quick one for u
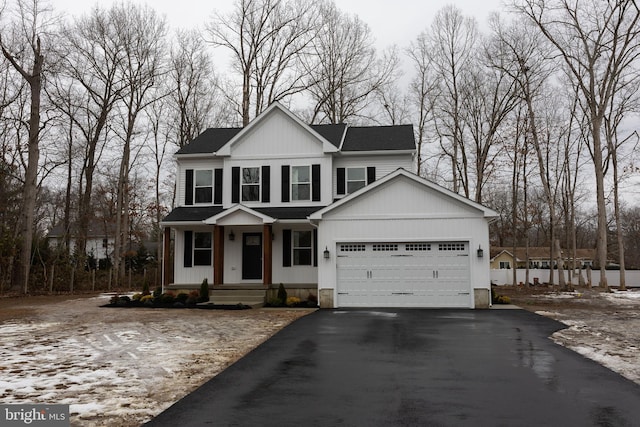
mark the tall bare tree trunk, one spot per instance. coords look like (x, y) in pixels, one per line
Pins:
(34, 80)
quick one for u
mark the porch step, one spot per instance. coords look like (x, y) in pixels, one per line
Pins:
(252, 297)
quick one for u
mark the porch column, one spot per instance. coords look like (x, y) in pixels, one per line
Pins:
(218, 255)
(267, 255)
(166, 256)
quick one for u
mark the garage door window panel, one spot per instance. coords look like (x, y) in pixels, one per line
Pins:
(302, 247)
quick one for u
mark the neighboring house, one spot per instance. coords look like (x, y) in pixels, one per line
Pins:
(504, 258)
(329, 209)
(100, 239)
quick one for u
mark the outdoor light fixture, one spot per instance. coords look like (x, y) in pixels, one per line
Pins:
(326, 253)
(480, 252)
(232, 236)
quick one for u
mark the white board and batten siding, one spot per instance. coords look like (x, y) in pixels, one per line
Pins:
(411, 216)
(279, 137)
(195, 164)
(384, 164)
(193, 274)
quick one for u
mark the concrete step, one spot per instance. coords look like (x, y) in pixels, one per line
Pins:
(252, 297)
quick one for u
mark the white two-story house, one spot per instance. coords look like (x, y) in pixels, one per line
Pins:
(333, 210)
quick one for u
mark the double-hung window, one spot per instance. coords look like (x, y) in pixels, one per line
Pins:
(251, 184)
(300, 183)
(302, 247)
(202, 249)
(505, 265)
(203, 188)
(356, 179)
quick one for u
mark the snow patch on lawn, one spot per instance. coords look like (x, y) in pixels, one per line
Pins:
(121, 367)
(608, 336)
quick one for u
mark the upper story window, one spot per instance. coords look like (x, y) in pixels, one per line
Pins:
(505, 265)
(356, 179)
(352, 179)
(300, 183)
(251, 184)
(203, 188)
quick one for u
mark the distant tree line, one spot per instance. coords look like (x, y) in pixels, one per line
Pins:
(535, 116)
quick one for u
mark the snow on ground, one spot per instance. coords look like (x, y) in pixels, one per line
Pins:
(604, 327)
(120, 367)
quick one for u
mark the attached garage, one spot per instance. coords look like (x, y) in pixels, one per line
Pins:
(403, 274)
(404, 242)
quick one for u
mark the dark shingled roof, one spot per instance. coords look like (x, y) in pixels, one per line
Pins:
(296, 212)
(332, 133)
(379, 138)
(209, 141)
(200, 213)
(192, 213)
(371, 138)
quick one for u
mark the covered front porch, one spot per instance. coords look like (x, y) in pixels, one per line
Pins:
(241, 248)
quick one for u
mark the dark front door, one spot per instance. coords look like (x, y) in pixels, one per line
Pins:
(251, 256)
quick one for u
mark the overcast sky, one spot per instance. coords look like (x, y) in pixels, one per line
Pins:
(391, 21)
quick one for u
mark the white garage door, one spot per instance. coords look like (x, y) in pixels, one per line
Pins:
(422, 274)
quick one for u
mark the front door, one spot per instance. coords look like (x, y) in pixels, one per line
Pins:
(251, 256)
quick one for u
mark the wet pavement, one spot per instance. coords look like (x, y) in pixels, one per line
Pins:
(412, 368)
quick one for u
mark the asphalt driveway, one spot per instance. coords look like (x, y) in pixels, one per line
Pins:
(412, 368)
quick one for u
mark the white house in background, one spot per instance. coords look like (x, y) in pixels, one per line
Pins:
(328, 209)
(100, 238)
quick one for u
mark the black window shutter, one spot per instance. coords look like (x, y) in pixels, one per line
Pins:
(188, 248)
(371, 174)
(341, 181)
(286, 248)
(266, 184)
(188, 187)
(315, 247)
(315, 183)
(285, 186)
(235, 184)
(217, 187)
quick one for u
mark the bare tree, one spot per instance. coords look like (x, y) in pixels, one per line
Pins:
(597, 42)
(344, 70)
(423, 92)
(25, 54)
(194, 102)
(625, 100)
(488, 98)
(91, 57)
(452, 39)
(266, 39)
(141, 33)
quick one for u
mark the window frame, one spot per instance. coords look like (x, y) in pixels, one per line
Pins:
(347, 181)
(296, 248)
(197, 187)
(199, 251)
(257, 185)
(295, 197)
(505, 265)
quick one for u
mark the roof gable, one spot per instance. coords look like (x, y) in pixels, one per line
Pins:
(239, 215)
(402, 194)
(274, 132)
